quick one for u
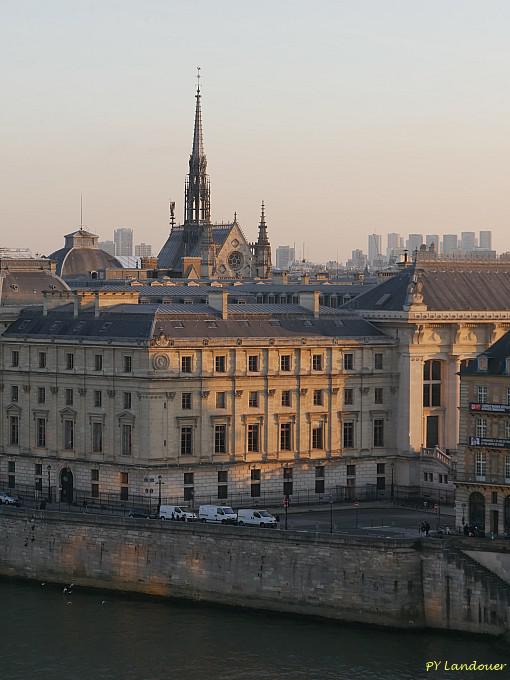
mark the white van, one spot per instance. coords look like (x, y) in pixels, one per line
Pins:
(217, 513)
(260, 518)
(176, 512)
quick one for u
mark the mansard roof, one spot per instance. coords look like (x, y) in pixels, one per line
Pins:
(496, 356)
(142, 323)
(445, 286)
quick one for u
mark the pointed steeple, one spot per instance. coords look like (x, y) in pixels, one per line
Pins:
(197, 191)
(263, 239)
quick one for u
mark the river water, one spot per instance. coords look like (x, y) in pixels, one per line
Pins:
(89, 635)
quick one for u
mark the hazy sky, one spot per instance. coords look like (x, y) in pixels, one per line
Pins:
(345, 117)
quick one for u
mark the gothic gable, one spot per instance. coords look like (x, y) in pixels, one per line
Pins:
(234, 256)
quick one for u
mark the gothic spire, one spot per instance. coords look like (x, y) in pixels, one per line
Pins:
(197, 191)
(263, 239)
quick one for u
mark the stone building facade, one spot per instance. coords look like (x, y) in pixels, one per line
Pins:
(483, 468)
(221, 403)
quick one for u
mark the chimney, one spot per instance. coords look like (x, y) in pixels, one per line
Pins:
(218, 300)
(311, 300)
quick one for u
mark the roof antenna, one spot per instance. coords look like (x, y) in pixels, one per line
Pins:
(81, 212)
(172, 213)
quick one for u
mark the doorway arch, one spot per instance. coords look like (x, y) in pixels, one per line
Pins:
(66, 486)
(477, 510)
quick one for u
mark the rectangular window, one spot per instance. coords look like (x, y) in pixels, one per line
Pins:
(186, 364)
(98, 362)
(351, 471)
(507, 467)
(128, 364)
(97, 437)
(38, 469)
(126, 399)
(378, 395)
(222, 483)
(124, 493)
(220, 364)
(288, 486)
(319, 479)
(285, 437)
(349, 435)
(11, 482)
(317, 362)
(253, 437)
(42, 359)
(253, 363)
(186, 401)
(186, 441)
(253, 399)
(508, 396)
(220, 400)
(286, 398)
(124, 478)
(481, 427)
(41, 395)
(255, 483)
(285, 362)
(189, 490)
(380, 483)
(348, 396)
(94, 475)
(317, 397)
(68, 434)
(378, 361)
(189, 478)
(11, 466)
(222, 491)
(348, 362)
(381, 468)
(220, 439)
(94, 490)
(127, 440)
(15, 358)
(98, 398)
(482, 394)
(318, 436)
(378, 432)
(40, 426)
(69, 361)
(69, 396)
(480, 463)
(13, 430)
(14, 393)
(222, 476)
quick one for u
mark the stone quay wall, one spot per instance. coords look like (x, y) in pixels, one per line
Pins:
(399, 583)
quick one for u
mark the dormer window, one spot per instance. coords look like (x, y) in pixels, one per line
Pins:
(483, 363)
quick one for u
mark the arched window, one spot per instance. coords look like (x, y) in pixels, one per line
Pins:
(432, 383)
(477, 510)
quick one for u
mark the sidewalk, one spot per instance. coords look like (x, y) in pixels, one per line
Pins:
(368, 505)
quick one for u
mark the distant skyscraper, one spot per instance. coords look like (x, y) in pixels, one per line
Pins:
(450, 244)
(107, 246)
(285, 256)
(393, 244)
(414, 242)
(123, 237)
(486, 240)
(374, 247)
(468, 241)
(432, 239)
(358, 259)
(143, 250)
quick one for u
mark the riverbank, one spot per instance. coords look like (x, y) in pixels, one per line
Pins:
(388, 582)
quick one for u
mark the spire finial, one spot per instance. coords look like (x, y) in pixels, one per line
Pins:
(262, 214)
(198, 80)
(235, 216)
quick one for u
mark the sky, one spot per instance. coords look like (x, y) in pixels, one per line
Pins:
(346, 117)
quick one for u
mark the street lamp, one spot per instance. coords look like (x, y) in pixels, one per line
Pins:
(49, 484)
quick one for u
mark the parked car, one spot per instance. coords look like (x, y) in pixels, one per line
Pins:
(139, 513)
(7, 499)
(217, 513)
(176, 512)
(254, 517)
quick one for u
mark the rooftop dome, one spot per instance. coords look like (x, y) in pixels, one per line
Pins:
(81, 256)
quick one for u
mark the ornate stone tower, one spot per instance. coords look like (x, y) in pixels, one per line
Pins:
(262, 250)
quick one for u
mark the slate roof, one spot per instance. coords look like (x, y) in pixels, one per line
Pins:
(455, 289)
(18, 287)
(496, 355)
(170, 254)
(75, 261)
(146, 321)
